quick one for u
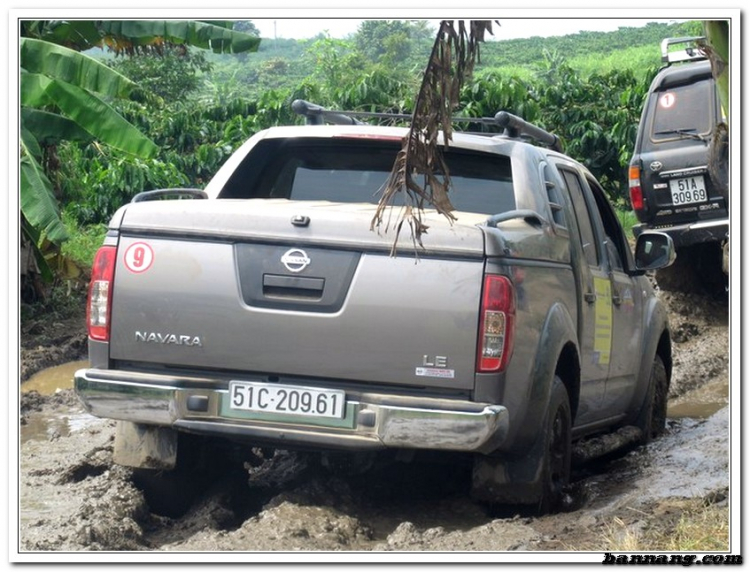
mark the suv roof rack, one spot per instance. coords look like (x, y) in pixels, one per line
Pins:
(514, 127)
(690, 53)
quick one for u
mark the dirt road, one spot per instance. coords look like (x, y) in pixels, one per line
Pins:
(72, 498)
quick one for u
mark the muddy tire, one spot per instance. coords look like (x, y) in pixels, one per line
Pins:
(558, 450)
(652, 419)
(697, 270)
(172, 493)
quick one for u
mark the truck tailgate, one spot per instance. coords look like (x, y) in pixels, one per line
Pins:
(254, 293)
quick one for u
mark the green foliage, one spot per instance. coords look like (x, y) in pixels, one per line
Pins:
(333, 64)
(391, 42)
(65, 96)
(172, 75)
(38, 203)
(491, 91)
(627, 219)
(591, 99)
(83, 243)
(246, 27)
(109, 180)
(586, 49)
(132, 36)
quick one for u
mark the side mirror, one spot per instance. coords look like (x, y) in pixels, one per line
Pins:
(654, 250)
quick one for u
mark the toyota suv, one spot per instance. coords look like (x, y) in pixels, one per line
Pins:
(671, 187)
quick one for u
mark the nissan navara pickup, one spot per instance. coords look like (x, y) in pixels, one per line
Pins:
(268, 313)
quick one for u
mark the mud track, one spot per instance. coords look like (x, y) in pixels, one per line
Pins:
(275, 504)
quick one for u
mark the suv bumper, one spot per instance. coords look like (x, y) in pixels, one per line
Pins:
(693, 233)
(372, 421)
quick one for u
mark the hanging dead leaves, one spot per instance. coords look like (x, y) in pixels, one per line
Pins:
(420, 171)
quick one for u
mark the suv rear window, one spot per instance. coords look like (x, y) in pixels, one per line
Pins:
(349, 170)
(683, 109)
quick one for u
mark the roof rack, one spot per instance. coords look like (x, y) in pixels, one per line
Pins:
(514, 127)
(690, 53)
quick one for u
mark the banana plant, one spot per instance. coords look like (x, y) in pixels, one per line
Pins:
(64, 96)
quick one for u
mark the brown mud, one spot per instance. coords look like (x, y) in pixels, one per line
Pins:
(272, 504)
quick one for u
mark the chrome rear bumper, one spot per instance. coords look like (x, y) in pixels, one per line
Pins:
(372, 421)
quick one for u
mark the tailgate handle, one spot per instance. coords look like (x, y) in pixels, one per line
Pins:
(295, 286)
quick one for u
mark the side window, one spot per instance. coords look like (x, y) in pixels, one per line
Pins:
(615, 241)
(554, 195)
(588, 241)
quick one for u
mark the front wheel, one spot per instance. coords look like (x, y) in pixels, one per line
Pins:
(557, 452)
(652, 419)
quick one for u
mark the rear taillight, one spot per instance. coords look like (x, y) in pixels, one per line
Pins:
(636, 193)
(497, 323)
(99, 307)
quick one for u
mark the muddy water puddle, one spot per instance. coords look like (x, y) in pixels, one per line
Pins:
(61, 422)
(44, 426)
(49, 380)
(702, 402)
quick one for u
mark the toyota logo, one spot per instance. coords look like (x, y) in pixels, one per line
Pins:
(295, 260)
(656, 166)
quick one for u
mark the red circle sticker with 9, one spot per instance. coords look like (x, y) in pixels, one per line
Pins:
(138, 257)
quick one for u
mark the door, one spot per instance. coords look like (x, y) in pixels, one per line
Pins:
(595, 303)
(627, 308)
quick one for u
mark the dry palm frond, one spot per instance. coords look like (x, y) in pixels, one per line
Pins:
(451, 63)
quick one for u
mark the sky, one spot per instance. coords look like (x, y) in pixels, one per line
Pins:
(509, 27)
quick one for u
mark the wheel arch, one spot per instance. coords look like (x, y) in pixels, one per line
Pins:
(657, 341)
(557, 355)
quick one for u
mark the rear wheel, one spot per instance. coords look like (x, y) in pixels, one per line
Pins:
(557, 453)
(171, 493)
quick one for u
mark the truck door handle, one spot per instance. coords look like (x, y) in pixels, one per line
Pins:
(292, 286)
(590, 297)
(616, 299)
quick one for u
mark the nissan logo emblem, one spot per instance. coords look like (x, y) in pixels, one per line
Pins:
(656, 166)
(295, 260)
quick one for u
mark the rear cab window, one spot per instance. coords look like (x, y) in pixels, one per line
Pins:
(683, 109)
(351, 170)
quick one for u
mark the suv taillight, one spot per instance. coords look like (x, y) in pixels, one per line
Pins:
(636, 192)
(497, 324)
(99, 305)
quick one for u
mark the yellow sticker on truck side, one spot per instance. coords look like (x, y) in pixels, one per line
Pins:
(603, 321)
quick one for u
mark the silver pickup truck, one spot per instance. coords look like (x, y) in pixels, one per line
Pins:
(268, 313)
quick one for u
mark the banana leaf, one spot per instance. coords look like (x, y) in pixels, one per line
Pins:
(58, 62)
(33, 238)
(50, 128)
(218, 38)
(38, 202)
(100, 120)
(30, 143)
(34, 89)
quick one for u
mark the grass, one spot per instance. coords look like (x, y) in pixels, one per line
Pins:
(686, 526)
(627, 219)
(83, 243)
